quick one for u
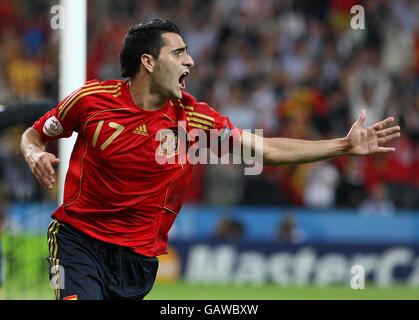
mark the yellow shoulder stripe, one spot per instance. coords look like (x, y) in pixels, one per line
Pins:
(197, 125)
(93, 86)
(75, 92)
(185, 107)
(190, 112)
(200, 115)
(200, 121)
(64, 112)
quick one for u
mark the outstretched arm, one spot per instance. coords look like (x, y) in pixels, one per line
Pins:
(40, 161)
(359, 141)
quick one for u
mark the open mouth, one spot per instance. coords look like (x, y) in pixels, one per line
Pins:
(182, 79)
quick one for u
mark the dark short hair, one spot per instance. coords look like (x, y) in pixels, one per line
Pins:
(143, 38)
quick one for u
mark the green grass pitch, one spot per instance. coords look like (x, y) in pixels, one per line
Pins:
(184, 291)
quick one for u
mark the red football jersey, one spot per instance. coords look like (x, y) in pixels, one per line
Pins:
(115, 190)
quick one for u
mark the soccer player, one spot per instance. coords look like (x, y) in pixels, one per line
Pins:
(119, 202)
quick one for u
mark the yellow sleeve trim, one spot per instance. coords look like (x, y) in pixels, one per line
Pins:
(114, 90)
(196, 125)
(201, 121)
(200, 115)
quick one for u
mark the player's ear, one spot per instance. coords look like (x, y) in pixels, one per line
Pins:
(147, 60)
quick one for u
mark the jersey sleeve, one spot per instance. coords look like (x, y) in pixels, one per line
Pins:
(206, 118)
(65, 118)
(221, 135)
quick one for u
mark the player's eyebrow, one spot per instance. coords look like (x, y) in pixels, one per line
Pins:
(178, 50)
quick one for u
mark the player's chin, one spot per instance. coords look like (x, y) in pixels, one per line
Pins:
(177, 94)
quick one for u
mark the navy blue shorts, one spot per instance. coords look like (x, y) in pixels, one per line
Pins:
(85, 268)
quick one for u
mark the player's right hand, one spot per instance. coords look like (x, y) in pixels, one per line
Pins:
(42, 166)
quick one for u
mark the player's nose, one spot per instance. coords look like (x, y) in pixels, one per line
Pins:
(189, 61)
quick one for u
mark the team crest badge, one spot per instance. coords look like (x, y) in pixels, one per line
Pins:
(52, 127)
(168, 143)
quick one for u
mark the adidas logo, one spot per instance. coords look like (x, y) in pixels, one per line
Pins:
(141, 130)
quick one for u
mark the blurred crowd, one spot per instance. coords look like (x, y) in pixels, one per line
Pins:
(294, 68)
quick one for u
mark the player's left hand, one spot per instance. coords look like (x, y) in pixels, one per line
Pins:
(373, 139)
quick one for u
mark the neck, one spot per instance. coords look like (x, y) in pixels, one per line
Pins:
(143, 96)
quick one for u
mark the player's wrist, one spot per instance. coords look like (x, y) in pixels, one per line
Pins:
(343, 146)
(32, 155)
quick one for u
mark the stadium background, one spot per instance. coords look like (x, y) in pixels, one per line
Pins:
(293, 68)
